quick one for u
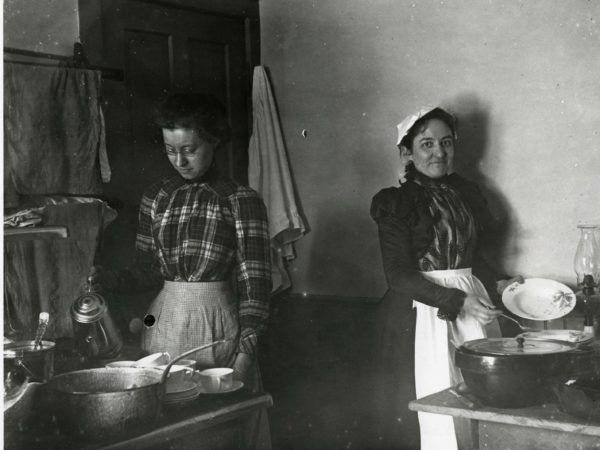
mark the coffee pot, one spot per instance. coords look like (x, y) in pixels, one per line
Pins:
(96, 335)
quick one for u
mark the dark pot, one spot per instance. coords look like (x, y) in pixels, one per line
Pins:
(519, 380)
(580, 396)
(23, 361)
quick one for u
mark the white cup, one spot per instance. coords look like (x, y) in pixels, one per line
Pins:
(179, 377)
(217, 379)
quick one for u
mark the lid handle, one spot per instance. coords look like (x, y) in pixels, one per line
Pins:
(520, 342)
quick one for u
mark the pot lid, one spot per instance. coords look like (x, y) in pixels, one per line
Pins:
(88, 308)
(575, 336)
(516, 346)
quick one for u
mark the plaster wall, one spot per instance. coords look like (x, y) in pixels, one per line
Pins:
(522, 78)
(48, 26)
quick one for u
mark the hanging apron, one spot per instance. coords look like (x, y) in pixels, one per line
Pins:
(434, 361)
(188, 315)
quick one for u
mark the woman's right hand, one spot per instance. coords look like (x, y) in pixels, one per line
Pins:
(100, 279)
(480, 308)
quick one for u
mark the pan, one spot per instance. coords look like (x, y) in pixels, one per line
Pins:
(110, 402)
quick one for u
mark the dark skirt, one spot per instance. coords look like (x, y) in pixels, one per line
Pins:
(397, 427)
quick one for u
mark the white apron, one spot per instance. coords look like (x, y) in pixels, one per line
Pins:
(434, 362)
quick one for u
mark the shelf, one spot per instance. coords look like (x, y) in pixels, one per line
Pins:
(28, 234)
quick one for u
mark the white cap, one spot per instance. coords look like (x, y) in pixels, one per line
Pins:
(405, 126)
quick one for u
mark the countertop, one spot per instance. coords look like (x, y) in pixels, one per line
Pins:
(547, 416)
(206, 412)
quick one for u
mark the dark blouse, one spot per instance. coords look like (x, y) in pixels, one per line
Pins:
(430, 224)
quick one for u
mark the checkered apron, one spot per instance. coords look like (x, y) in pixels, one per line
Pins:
(189, 315)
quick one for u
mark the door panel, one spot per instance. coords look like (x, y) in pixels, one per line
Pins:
(163, 47)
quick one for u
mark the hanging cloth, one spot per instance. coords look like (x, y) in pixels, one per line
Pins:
(54, 131)
(269, 175)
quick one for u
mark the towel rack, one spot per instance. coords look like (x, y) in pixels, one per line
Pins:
(77, 60)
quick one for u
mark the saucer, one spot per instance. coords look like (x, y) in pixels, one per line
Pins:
(235, 385)
(169, 400)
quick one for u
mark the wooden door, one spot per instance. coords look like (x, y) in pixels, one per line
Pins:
(164, 47)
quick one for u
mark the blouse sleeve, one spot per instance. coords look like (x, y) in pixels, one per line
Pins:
(393, 213)
(144, 275)
(253, 268)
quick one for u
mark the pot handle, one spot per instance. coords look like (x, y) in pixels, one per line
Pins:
(189, 352)
(19, 363)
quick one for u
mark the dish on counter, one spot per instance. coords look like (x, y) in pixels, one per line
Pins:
(574, 336)
(187, 393)
(155, 359)
(539, 299)
(235, 386)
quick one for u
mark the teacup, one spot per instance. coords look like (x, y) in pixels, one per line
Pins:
(179, 378)
(217, 379)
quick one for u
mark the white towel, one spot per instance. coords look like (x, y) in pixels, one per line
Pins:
(269, 175)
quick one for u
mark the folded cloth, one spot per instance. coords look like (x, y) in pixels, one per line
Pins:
(26, 218)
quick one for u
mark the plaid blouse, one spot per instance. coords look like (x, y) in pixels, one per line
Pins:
(208, 230)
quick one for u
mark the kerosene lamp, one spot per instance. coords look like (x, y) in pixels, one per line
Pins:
(587, 268)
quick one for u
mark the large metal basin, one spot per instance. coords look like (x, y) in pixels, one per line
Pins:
(110, 402)
(98, 403)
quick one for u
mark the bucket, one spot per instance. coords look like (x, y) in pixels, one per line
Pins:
(22, 360)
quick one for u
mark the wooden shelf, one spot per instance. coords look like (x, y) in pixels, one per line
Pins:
(28, 234)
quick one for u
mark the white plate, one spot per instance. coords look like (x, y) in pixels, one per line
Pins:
(575, 336)
(155, 359)
(181, 400)
(539, 299)
(187, 387)
(235, 385)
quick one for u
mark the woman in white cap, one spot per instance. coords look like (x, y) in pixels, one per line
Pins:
(431, 229)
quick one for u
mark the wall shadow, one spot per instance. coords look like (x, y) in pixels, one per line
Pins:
(473, 127)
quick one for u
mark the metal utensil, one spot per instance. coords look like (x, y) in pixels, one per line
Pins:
(522, 327)
(463, 399)
(183, 355)
(44, 318)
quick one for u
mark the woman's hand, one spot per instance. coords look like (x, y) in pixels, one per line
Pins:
(480, 308)
(100, 279)
(242, 367)
(501, 285)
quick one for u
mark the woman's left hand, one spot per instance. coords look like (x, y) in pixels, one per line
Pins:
(242, 367)
(503, 284)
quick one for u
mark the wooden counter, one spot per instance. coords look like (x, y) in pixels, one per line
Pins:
(209, 422)
(539, 427)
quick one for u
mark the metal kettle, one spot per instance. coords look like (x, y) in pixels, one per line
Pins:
(96, 335)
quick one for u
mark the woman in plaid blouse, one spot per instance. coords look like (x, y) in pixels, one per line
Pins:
(199, 231)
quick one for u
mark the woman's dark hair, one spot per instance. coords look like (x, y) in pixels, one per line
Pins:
(436, 113)
(201, 112)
